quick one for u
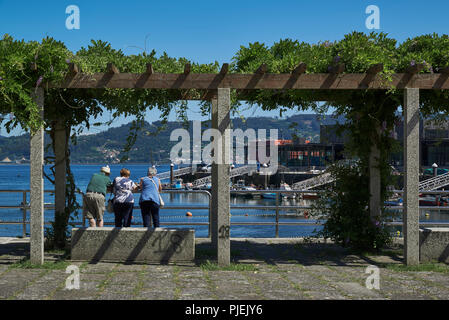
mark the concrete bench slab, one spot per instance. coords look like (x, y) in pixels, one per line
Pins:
(132, 244)
(434, 244)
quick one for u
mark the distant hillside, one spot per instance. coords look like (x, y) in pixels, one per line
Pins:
(107, 146)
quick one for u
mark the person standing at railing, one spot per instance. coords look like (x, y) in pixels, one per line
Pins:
(123, 188)
(94, 199)
(149, 201)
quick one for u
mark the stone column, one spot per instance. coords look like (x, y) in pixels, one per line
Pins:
(411, 176)
(220, 179)
(60, 166)
(37, 188)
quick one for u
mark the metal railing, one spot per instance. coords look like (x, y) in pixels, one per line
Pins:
(24, 206)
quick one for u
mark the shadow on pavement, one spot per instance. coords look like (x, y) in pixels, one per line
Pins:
(295, 252)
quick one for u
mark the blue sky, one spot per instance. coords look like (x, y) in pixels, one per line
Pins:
(207, 30)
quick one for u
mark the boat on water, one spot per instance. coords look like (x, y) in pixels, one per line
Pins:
(268, 195)
(310, 196)
(424, 201)
(286, 187)
(432, 201)
(393, 202)
(240, 186)
(178, 184)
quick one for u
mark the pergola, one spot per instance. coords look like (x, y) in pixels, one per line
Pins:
(216, 88)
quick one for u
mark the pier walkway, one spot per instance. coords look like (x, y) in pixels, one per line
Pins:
(176, 173)
(434, 182)
(239, 171)
(274, 269)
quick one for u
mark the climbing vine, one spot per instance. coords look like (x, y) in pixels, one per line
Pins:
(371, 114)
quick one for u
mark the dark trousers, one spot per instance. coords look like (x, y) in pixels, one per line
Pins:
(123, 214)
(150, 209)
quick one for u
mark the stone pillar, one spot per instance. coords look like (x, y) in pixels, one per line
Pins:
(37, 188)
(220, 179)
(374, 182)
(60, 166)
(411, 176)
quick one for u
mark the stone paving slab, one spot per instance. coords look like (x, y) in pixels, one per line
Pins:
(281, 269)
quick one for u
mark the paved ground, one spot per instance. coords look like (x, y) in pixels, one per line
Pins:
(268, 269)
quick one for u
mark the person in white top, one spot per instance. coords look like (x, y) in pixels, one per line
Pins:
(123, 203)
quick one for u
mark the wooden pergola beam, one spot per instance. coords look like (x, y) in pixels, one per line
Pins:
(300, 69)
(417, 68)
(445, 70)
(187, 68)
(73, 69)
(262, 69)
(149, 69)
(112, 69)
(349, 81)
(375, 69)
(338, 69)
(224, 68)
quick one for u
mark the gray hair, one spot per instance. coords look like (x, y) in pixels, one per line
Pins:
(152, 171)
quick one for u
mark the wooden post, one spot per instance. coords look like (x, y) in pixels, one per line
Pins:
(37, 187)
(220, 179)
(411, 177)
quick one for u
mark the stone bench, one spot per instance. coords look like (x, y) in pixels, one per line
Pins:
(132, 244)
(434, 244)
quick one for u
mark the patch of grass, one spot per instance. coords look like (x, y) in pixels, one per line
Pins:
(381, 252)
(48, 265)
(212, 266)
(426, 267)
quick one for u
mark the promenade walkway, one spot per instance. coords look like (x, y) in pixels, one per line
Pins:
(264, 269)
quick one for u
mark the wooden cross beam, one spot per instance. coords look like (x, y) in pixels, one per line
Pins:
(262, 69)
(300, 69)
(417, 68)
(112, 69)
(445, 70)
(212, 81)
(371, 74)
(224, 68)
(149, 69)
(375, 69)
(73, 69)
(187, 68)
(338, 69)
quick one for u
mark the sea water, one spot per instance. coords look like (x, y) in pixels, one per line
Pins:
(17, 177)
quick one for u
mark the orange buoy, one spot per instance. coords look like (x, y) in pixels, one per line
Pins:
(188, 214)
